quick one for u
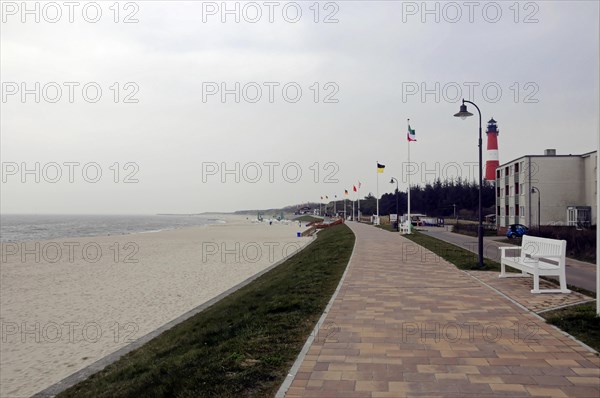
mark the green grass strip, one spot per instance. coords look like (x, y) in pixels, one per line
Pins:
(579, 321)
(461, 258)
(307, 218)
(244, 345)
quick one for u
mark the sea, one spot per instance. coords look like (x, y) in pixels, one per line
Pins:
(19, 228)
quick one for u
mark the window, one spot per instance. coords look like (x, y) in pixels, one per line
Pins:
(498, 191)
(516, 189)
(498, 210)
(579, 216)
(506, 171)
(498, 173)
(506, 210)
(516, 168)
(506, 190)
(517, 211)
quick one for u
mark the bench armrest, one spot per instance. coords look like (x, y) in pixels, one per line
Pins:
(546, 256)
(503, 249)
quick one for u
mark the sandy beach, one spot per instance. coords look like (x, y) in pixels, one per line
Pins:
(69, 302)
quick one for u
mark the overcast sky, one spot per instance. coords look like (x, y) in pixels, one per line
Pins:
(360, 79)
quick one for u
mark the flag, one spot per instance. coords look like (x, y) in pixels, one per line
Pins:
(410, 135)
(321, 198)
(326, 197)
(354, 188)
(380, 168)
(346, 192)
(359, 185)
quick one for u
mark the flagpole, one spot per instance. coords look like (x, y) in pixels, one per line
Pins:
(377, 170)
(358, 205)
(409, 219)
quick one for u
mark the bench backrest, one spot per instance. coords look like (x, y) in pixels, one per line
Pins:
(532, 245)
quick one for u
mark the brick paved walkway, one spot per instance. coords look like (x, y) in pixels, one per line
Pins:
(408, 324)
(519, 289)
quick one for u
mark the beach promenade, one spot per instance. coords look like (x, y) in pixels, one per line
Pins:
(405, 323)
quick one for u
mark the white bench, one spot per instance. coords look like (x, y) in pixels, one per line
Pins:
(538, 256)
(404, 228)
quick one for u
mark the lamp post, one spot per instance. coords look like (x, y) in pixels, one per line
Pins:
(397, 214)
(536, 190)
(463, 114)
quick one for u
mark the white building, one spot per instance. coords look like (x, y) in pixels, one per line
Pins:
(567, 186)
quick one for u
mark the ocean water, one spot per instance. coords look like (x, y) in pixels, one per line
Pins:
(18, 228)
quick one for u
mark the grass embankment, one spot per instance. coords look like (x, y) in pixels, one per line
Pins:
(579, 321)
(308, 218)
(244, 345)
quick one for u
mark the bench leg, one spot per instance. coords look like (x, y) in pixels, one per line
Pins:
(502, 270)
(536, 282)
(563, 281)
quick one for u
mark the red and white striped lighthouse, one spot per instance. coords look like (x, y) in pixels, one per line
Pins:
(493, 160)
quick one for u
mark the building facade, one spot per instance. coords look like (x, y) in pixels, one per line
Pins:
(564, 187)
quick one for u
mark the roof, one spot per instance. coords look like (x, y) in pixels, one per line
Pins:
(547, 156)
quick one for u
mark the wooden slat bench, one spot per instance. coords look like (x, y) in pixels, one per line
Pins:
(538, 256)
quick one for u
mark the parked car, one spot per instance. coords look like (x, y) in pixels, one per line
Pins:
(516, 231)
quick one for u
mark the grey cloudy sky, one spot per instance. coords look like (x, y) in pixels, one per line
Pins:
(175, 141)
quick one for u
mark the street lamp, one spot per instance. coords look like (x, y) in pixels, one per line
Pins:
(397, 215)
(463, 114)
(536, 190)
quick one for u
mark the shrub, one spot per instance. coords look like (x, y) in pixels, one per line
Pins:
(581, 244)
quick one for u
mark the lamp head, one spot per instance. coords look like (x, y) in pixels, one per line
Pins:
(463, 113)
(392, 180)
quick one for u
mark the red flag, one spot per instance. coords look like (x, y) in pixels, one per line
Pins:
(354, 186)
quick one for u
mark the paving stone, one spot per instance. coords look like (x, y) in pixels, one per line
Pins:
(409, 324)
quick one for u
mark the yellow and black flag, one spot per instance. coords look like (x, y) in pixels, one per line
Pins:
(380, 167)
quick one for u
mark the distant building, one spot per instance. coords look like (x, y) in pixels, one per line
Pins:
(567, 188)
(303, 210)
